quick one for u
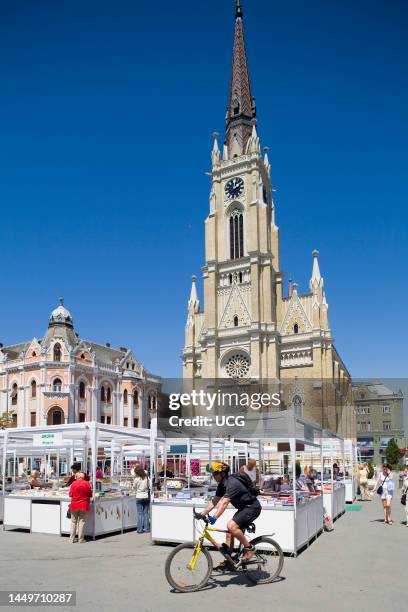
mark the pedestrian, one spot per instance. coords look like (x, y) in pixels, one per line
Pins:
(141, 485)
(385, 488)
(251, 469)
(80, 493)
(405, 491)
(75, 468)
(363, 471)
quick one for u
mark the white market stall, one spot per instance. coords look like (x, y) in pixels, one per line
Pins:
(330, 473)
(295, 520)
(113, 506)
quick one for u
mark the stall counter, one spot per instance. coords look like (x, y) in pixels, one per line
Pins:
(334, 501)
(48, 514)
(174, 522)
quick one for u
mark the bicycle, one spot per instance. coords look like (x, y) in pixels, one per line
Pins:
(189, 566)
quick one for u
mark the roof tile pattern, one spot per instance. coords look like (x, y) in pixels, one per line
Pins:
(241, 107)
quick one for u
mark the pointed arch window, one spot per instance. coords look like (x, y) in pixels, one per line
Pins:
(236, 321)
(135, 397)
(103, 395)
(57, 385)
(33, 389)
(296, 328)
(125, 396)
(82, 390)
(109, 395)
(236, 229)
(14, 394)
(57, 352)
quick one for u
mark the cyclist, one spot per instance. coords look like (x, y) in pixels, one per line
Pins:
(232, 490)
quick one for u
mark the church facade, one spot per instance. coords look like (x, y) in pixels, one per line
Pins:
(250, 328)
(63, 378)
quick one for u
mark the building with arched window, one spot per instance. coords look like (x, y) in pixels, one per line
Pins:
(250, 328)
(65, 379)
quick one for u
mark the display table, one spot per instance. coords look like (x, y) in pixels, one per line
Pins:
(174, 522)
(334, 500)
(48, 514)
(351, 490)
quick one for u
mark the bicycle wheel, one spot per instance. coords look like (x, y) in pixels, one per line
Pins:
(270, 557)
(178, 573)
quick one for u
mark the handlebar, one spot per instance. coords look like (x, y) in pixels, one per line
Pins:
(199, 517)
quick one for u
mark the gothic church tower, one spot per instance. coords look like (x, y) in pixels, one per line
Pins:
(237, 334)
(248, 328)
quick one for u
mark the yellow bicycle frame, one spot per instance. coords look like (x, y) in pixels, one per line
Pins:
(197, 548)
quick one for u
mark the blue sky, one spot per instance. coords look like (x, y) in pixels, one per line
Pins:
(107, 110)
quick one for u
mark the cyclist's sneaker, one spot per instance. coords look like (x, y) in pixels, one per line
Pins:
(248, 553)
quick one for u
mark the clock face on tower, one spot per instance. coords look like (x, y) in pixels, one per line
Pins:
(235, 187)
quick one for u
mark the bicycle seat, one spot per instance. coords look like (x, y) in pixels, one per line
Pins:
(251, 528)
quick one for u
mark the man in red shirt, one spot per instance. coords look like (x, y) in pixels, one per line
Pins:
(81, 493)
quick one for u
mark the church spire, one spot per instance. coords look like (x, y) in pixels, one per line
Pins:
(316, 280)
(241, 110)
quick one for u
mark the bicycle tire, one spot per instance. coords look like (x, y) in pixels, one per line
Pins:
(195, 587)
(272, 577)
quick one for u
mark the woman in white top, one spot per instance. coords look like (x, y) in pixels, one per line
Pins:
(141, 486)
(405, 490)
(386, 481)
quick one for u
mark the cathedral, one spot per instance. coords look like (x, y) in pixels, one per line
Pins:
(62, 378)
(251, 328)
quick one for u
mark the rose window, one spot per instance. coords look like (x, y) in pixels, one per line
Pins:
(237, 366)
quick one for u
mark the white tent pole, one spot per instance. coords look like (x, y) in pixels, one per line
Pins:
(188, 459)
(332, 479)
(209, 455)
(292, 444)
(5, 439)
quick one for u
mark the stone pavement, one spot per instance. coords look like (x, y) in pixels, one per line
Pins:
(361, 565)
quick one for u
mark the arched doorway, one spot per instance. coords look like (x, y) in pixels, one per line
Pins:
(55, 416)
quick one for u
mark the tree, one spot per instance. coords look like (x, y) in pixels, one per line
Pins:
(298, 469)
(393, 453)
(6, 420)
(370, 470)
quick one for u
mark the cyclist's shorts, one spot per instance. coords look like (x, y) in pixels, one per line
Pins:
(243, 518)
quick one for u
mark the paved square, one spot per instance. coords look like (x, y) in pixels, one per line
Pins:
(361, 565)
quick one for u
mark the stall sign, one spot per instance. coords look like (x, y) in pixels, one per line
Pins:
(48, 439)
(179, 449)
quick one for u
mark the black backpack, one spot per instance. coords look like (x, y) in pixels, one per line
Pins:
(247, 482)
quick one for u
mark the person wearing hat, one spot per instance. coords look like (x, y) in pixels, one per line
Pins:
(232, 490)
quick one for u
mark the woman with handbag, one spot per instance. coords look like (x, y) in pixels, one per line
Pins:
(385, 488)
(404, 493)
(141, 485)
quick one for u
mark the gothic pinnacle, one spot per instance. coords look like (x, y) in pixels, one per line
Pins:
(238, 11)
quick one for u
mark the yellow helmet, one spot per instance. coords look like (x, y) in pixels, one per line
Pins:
(219, 466)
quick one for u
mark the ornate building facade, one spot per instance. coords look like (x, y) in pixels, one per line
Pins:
(249, 329)
(65, 379)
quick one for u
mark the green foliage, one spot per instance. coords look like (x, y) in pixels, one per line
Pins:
(298, 469)
(393, 453)
(6, 420)
(370, 470)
